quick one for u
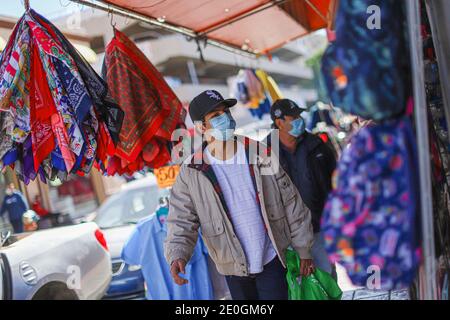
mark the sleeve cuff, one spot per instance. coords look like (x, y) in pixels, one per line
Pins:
(304, 253)
(175, 255)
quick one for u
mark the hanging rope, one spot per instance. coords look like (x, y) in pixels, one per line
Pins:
(26, 3)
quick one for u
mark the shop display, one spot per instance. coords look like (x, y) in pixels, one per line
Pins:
(370, 218)
(256, 90)
(367, 70)
(56, 115)
(145, 248)
(152, 110)
(440, 160)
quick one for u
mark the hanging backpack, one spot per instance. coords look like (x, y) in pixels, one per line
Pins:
(370, 218)
(366, 70)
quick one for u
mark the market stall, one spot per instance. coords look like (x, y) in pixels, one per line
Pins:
(408, 147)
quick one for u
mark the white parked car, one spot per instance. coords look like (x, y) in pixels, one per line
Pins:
(70, 262)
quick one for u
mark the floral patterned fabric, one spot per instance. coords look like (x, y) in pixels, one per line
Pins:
(370, 216)
(367, 68)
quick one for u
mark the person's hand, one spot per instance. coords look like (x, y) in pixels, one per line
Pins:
(306, 267)
(176, 267)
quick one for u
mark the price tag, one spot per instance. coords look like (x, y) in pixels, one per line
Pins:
(166, 176)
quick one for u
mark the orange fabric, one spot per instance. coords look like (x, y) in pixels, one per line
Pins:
(264, 31)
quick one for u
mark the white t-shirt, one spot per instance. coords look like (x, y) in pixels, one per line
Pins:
(239, 192)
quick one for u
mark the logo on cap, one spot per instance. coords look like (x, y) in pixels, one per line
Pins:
(213, 95)
(277, 113)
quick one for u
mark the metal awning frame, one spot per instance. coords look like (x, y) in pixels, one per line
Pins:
(113, 9)
(190, 34)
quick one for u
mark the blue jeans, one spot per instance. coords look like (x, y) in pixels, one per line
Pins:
(270, 284)
(320, 256)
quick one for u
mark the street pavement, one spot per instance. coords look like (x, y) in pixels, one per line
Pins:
(352, 292)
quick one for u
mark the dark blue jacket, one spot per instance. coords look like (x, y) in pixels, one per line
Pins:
(15, 205)
(310, 168)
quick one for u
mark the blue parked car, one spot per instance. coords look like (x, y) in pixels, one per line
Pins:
(117, 218)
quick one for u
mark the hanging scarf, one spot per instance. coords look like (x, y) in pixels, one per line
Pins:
(41, 110)
(107, 109)
(167, 97)
(56, 117)
(151, 108)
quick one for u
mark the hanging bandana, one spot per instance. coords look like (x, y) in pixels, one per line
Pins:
(41, 108)
(152, 110)
(56, 117)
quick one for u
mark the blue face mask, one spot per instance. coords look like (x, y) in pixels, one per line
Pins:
(223, 126)
(298, 127)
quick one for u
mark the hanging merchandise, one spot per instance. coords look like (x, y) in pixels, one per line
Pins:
(439, 150)
(370, 220)
(367, 69)
(152, 110)
(248, 89)
(256, 90)
(264, 108)
(145, 248)
(269, 85)
(56, 117)
(254, 87)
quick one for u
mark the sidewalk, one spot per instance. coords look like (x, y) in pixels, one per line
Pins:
(352, 292)
(363, 294)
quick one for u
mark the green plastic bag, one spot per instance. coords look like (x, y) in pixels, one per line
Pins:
(318, 286)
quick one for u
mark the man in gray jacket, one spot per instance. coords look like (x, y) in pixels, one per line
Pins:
(248, 218)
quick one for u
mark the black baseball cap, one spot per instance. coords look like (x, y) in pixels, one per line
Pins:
(206, 102)
(285, 107)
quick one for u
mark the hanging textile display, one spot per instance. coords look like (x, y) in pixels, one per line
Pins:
(248, 89)
(56, 116)
(269, 85)
(367, 68)
(145, 248)
(256, 90)
(152, 110)
(370, 218)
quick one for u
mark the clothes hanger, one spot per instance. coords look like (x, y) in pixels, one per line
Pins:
(163, 210)
(112, 23)
(26, 4)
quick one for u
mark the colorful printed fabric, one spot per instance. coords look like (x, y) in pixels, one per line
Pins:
(14, 92)
(270, 86)
(56, 117)
(152, 110)
(369, 221)
(256, 90)
(105, 107)
(366, 70)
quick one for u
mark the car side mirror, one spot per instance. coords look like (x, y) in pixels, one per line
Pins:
(4, 236)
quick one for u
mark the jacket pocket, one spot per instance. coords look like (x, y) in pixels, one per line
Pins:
(280, 228)
(286, 188)
(216, 241)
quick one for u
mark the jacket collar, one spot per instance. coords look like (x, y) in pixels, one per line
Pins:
(252, 149)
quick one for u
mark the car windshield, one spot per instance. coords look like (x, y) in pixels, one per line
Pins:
(128, 206)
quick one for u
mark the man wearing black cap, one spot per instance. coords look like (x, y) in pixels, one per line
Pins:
(248, 216)
(310, 163)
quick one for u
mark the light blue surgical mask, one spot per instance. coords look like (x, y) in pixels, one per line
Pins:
(298, 127)
(223, 126)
